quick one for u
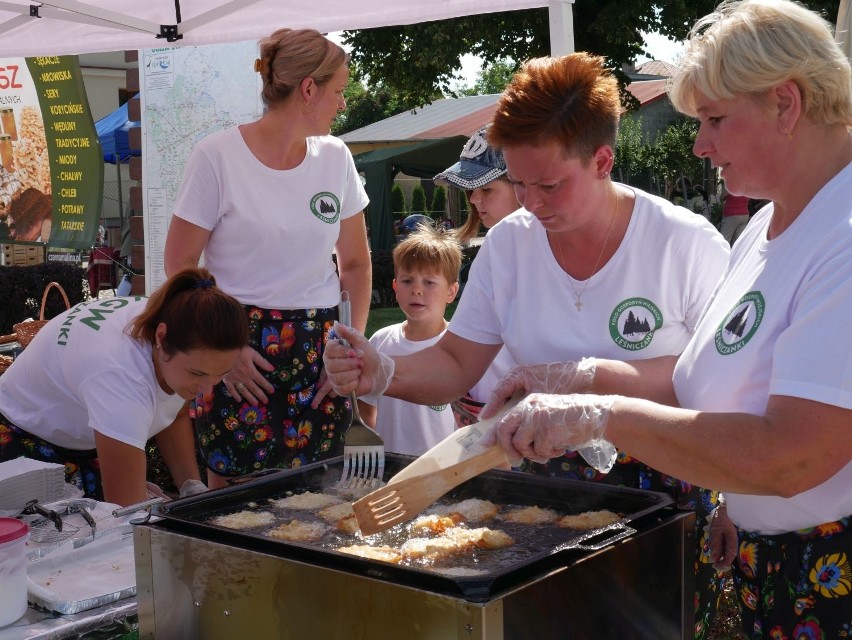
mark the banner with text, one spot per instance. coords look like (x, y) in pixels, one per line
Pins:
(51, 165)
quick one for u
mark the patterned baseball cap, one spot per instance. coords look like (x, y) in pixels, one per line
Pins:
(478, 164)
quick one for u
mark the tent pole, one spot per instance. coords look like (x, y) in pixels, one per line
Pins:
(120, 195)
(561, 19)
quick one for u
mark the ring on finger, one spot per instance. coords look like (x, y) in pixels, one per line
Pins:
(241, 385)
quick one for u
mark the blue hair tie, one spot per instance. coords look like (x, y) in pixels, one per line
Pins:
(203, 283)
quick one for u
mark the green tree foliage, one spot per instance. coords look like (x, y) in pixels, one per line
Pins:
(439, 203)
(656, 167)
(398, 202)
(365, 106)
(671, 155)
(419, 62)
(492, 78)
(418, 200)
(631, 150)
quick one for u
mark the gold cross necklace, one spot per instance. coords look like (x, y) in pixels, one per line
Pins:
(578, 296)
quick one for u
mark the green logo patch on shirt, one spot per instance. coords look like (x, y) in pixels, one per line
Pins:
(326, 207)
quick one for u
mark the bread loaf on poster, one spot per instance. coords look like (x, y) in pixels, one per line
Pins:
(27, 214)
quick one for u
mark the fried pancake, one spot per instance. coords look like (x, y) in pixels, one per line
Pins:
(298, 531)
(385, 554)
(453, 541)
(588, 520)
(308, 501)
(529, 515)
(244, 519)
(335, 512)
(433, 523)
(341, 516)
(470, 510)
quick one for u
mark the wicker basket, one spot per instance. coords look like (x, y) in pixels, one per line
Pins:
(26, 331)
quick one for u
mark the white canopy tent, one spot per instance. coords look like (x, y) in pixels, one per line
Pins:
(66, 27)
(843, 32)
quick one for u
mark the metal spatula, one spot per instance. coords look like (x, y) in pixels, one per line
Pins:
(457, 458)
(363, 448)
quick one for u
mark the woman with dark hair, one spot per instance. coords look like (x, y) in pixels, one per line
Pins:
(269, 203)
(101, 379)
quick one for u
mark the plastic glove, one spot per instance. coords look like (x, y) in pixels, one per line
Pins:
(191, 488)
(544, 426)
(154, 491)
(357, 366)
(554, 377)
(724, 546)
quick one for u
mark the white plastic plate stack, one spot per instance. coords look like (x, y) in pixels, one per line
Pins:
(24, 479)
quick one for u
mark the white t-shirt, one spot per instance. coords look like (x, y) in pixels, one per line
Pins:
(273, 232)
(408, 428)
(498, 368)
(644, 302)
(82, 373)
(779, 325)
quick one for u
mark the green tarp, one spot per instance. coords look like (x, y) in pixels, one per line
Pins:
(420, 160)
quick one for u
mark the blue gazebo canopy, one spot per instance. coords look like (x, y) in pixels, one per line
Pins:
(113, 135)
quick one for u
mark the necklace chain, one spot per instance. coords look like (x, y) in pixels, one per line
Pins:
(578, 296)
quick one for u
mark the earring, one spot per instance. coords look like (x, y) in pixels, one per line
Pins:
(789, 133)
(604, 175)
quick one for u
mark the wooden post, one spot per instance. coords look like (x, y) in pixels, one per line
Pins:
(137, 228)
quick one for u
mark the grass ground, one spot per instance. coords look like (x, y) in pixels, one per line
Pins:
(379, 318)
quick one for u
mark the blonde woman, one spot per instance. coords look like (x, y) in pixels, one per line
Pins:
(759, 404)
(268, 203)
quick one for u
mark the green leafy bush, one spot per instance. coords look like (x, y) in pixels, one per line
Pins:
(21, 289)
(418, 200)
(398, 206)
(439, 203)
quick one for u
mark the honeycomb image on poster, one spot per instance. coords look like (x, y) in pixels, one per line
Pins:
(25, 187)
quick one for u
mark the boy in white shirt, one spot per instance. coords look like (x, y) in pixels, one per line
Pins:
(426, 267)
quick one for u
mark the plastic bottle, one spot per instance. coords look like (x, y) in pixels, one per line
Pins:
(13, 570)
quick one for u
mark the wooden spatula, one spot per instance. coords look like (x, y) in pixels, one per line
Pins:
(457, 458)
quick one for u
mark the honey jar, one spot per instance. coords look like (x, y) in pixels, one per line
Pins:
(7, 153)
(7, 122)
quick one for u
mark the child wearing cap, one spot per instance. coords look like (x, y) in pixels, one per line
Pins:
(426, 267)
(481, 174)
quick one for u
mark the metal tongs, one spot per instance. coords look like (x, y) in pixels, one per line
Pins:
(79, 507)
(33, 508)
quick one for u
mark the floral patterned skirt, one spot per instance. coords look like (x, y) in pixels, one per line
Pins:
(81, 466)
(238, 438)
(466, 411)
(796, 585)
(629, 472)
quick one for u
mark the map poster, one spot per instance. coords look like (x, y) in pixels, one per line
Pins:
(51, 165)
(186, 94)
